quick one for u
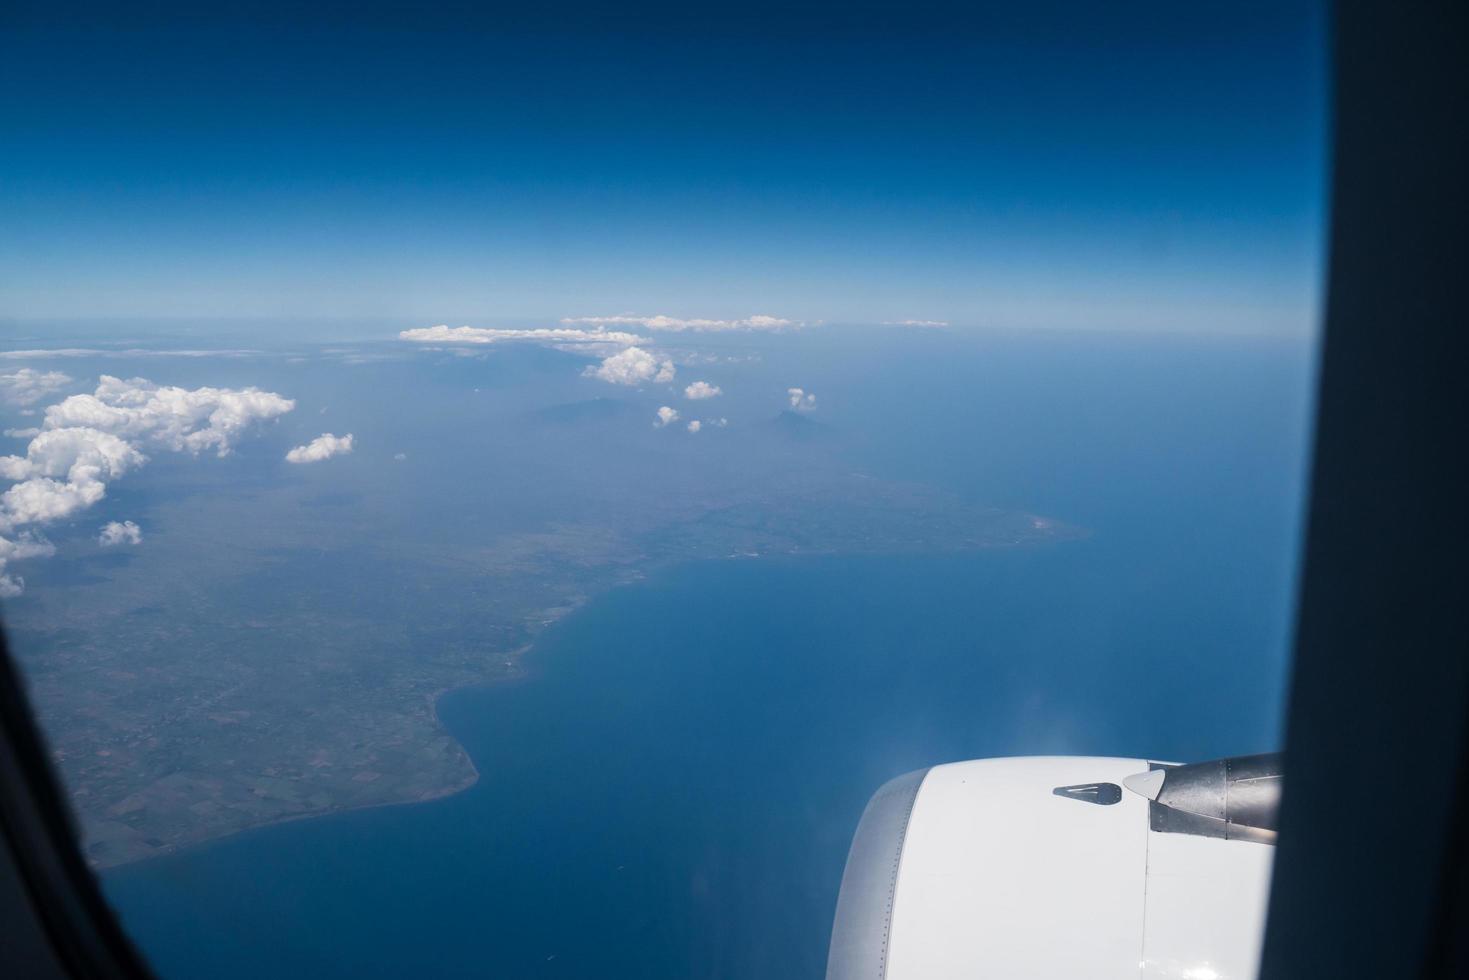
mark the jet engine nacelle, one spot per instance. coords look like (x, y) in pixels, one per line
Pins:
(1056, 867)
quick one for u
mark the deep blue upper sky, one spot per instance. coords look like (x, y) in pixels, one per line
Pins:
(1139, 165)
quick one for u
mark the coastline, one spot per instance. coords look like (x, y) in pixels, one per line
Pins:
(517, 674)
(1054, 533)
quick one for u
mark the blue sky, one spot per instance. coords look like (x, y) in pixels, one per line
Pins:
(1066, 165)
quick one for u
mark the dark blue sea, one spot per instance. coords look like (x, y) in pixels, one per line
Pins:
(671, 789)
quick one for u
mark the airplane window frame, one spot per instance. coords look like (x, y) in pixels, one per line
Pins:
(1375, 884)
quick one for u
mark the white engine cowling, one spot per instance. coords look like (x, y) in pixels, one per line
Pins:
(1046, 868)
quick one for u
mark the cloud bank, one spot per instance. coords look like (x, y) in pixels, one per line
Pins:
(678, 324)
(443, 334)
(324, 446)
(116, 533)
(177, 419)
(87, 441)
(130, 353)
(633, 366)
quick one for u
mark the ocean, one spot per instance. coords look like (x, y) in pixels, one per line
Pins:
(671, 788)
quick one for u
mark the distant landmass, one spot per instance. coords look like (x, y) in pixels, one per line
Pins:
(591, 410)
(196, 722)
(797, 426)
(276, 647)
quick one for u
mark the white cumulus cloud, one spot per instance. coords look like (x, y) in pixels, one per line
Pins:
(633, 366)
(62, 472)
(676, 324)
(43, 500)
(179, 419)
(324, 446)
(87, 441)
(116, 533)
(28, 386)
(443, 334)
(915, 323)
(666, 416)
(78, 454)
(702, 389)
(695, 425)
(801, 399)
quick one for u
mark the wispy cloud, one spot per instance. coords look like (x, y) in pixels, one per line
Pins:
(324, 446)
(633, 366)
(676, 324)
(915, 323)
(28, 386)
(27, 545)
(38, 354)
(443, 334)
